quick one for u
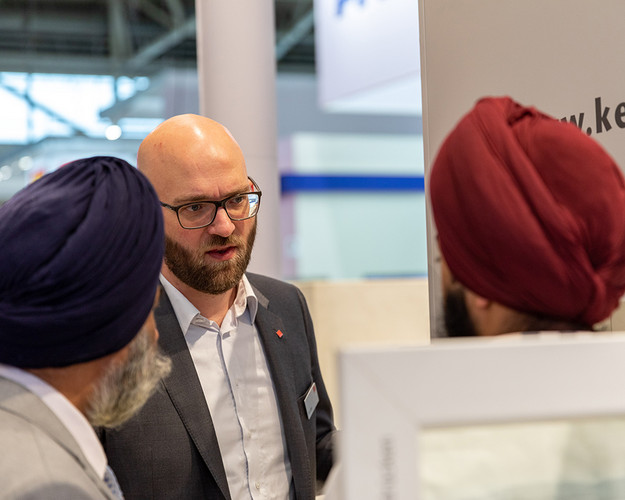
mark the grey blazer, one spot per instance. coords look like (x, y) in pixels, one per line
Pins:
(170, 450)
(40, 458)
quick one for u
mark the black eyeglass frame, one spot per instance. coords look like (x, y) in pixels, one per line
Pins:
(218, 205)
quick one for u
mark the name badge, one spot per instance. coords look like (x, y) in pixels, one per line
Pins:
(311, 400)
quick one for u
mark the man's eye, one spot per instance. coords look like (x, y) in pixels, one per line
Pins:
(196, 207)
(237, 200)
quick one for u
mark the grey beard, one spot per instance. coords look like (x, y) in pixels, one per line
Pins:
(126, 387)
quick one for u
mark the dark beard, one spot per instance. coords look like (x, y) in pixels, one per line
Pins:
(457, 320)
(215, 278)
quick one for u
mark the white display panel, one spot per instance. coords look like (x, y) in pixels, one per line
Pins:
(367, 54)
(389, 397)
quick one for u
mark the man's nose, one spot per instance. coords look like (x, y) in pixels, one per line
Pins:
(222, 225)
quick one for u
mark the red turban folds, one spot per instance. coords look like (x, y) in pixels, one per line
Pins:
(530, 213)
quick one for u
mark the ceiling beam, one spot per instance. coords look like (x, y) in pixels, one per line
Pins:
(19, 62)
(159, 47)
(176, 10)
(156, 13)
(119, 38)
(295, 35)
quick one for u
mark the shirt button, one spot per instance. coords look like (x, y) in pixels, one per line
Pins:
(257, 485)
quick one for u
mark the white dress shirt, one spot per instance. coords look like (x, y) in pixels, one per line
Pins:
(233, 372)
(73, 420)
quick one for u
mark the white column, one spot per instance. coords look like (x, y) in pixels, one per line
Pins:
(237, 73)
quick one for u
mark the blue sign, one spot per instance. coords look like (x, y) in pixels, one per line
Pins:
(341, 3)
(322, 183)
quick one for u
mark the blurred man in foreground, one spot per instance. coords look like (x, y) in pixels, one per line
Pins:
(79, 263)
(530, 214)
(246, 413)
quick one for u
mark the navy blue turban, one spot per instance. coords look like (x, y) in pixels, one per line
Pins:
(80, 254)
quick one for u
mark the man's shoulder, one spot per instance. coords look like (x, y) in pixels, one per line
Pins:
(279, 294)
(16, 401)
(268, 284)
(39, 464)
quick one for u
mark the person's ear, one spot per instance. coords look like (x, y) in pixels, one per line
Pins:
(478, 301)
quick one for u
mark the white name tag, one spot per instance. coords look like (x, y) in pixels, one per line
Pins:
(311, 400)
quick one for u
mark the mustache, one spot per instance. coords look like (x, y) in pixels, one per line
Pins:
(220, 241)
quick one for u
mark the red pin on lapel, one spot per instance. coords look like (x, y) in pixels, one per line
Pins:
(279, 333)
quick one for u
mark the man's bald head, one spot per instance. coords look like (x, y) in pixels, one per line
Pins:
(189, 141)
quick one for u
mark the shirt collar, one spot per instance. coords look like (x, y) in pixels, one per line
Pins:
(73, 420)
(246, 298)
(186, 312)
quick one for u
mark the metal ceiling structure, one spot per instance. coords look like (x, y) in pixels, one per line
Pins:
(124, 38)
(128, 37)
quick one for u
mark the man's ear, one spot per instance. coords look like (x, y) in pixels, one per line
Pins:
(477, 301)
(480, 311)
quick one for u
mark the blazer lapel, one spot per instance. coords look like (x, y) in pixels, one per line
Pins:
(185, 391)
(30, 407)
(282, 366)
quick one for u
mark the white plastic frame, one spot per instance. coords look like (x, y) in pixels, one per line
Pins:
(389, 394)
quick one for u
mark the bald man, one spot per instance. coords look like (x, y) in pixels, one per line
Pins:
(246, 414)
(530, 214)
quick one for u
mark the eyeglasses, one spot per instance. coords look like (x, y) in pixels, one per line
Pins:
(199, 214)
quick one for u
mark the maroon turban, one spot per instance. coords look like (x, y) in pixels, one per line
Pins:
(530, 213)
